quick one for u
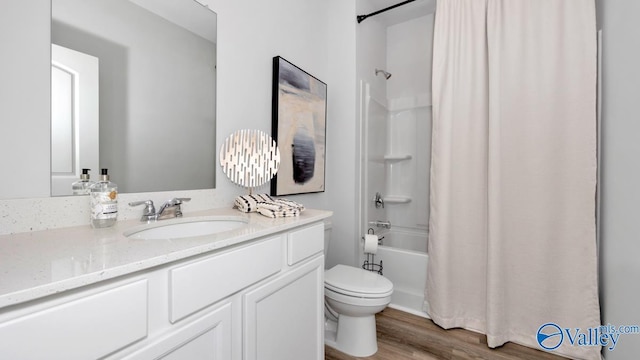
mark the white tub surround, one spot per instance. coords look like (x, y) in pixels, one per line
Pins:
(89, 293)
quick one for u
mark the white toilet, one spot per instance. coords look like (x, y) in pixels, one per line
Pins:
(354, 295)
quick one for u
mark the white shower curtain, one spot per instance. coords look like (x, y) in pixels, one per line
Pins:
(513, 175)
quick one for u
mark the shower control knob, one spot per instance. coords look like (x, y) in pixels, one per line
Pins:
(378, 201)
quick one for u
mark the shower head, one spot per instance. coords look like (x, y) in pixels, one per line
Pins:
(386, 74)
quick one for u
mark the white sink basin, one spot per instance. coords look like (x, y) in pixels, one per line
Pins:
(186, 228)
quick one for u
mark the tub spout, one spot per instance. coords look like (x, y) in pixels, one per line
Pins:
(381, 224)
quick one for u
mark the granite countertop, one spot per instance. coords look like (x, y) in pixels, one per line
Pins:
(40, 263)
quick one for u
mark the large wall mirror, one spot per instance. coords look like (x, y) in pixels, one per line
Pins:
(133, 90)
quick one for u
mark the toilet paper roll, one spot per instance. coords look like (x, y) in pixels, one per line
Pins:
(370, 243)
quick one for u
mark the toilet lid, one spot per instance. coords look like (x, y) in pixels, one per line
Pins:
(355, 280)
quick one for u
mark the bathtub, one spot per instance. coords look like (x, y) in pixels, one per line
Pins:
(404, 259)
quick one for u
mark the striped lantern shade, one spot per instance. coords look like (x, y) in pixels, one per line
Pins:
(249, 158)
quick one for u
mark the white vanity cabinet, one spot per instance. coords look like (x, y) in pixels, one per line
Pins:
(258, 299)
(281, 315)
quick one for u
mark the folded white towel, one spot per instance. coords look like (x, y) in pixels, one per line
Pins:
(272, 205)
(278, 213)
(279, 208)
(249, 203)
(290, 203)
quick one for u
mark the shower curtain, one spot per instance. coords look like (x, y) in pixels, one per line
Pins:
(512, 226)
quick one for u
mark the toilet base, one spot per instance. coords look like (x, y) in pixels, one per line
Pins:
(355, 336)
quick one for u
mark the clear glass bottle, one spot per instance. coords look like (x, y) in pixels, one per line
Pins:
(104, 202)
(82, 186)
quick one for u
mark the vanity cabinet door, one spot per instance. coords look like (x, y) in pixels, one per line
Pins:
(283, 319)
(209, 338)
(206, 338)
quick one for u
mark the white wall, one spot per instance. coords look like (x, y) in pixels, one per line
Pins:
(372, 52)
(620, 231)
(24, 98)
(409, 53)
(318, 36)
(343, 177)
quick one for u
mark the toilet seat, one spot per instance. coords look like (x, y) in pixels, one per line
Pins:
(359, 302)
(356, 294)
(355, 282)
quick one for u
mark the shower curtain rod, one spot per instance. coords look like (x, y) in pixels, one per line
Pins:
(360, 18)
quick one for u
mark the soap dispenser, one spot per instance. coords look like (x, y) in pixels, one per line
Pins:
(82, 186)
(104, 202)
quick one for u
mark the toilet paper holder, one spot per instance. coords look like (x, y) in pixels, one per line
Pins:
(369, 263)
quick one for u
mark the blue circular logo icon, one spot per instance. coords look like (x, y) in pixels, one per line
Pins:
(550, 336)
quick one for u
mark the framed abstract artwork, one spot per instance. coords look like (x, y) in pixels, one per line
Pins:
(299, 121)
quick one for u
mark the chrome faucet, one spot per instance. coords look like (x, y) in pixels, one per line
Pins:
(170, 209)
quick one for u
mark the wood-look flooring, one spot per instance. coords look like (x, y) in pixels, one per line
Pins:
(406, 336)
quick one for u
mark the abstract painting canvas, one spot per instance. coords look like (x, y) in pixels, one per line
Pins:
(299, 116)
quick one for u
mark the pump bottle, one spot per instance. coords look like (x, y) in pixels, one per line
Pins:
(82, 186)
(104, 202)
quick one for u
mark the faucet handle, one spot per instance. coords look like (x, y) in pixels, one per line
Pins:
(149, 210)
(148, 203)
(174, 203)
(178, 203)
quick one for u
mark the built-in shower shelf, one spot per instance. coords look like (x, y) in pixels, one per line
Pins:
(396, 199)
(395, 158)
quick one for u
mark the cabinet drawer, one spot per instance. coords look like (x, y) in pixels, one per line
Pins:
(303, 243)
(87, 328)
(199, 284)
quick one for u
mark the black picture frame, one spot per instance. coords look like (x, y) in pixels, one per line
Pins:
(298, 125)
